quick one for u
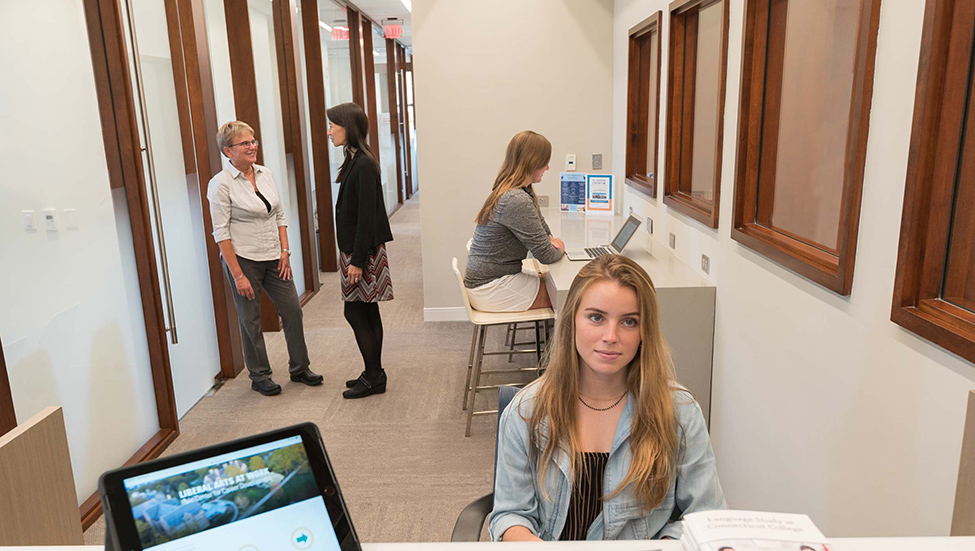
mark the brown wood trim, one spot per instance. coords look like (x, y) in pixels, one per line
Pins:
(638, 108)
(396, 208)
(943, 89)
(286, 27)
(762, 60)
(8, 416)
(120, 130)
(305, 297)
(245, 104)
(355, 56)
(198, 124)
(91, 509)
(370, 76)
(410, 189)
(319, 136)
(392, 92)
(680, 111)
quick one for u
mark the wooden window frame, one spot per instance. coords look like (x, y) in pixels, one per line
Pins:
(831, 269)
(679, 148)
(639, 110)
(935, 160)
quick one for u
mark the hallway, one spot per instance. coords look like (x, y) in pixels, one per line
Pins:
(405, 468)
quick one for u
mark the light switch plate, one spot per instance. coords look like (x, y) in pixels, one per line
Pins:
(649, 225)
(29, 223)
(570, 163)
(673, 241)
(71, 219)
(705, 264)
(597, 161)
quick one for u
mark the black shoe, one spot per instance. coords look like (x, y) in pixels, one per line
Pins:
(266, 387)
(364, 387)
(351, 382)
(308, 377)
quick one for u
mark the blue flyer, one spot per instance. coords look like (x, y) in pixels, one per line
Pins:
(573, 186)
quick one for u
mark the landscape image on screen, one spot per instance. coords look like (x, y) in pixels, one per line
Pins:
(194, 501)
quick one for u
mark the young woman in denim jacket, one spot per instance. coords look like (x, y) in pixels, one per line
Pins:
(605, 445)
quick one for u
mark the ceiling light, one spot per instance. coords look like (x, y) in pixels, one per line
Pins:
(408, 4)
(324, 26)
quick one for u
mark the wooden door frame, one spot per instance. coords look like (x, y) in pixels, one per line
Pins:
(189, 48)
(245, 102)
(392, 69)
(355, 56)
(8, 416)
(406, 128)
(369, 74)
(315, 76)
(120, 133)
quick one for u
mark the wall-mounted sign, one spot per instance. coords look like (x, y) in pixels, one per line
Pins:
(393, 31)
(340, 33)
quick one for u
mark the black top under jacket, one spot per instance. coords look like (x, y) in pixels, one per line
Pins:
(361, 224)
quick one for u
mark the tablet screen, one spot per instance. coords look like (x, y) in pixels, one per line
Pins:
(257, 499)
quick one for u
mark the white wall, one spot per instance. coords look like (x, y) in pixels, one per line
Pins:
(70, 310)
(486, 71)
(820, 403)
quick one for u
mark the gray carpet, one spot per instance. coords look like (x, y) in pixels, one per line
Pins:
(401, 458)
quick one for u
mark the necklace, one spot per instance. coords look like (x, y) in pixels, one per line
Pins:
(616, 403)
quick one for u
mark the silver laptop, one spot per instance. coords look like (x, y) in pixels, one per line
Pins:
(616, 247)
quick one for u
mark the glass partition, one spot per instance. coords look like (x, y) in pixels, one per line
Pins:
(387, 150)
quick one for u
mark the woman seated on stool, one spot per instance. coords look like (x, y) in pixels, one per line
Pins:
(508, 226)
(605, 445)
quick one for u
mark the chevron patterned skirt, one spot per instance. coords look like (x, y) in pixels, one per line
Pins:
(375, 285)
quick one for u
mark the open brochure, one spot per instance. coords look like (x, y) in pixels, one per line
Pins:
(751, 531)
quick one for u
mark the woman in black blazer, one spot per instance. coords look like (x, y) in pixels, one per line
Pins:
(362, 230)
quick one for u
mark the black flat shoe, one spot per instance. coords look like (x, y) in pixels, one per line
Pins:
(363, 387)
(308, 377)
(266, 387)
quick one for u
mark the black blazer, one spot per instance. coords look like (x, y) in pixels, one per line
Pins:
(361, 224)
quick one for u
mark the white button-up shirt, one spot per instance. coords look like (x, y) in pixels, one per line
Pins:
(239, 215)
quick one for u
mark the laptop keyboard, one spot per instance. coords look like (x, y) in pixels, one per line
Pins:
(593, 252)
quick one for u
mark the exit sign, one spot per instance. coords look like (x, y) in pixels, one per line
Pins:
(393, 31)
(340, 33)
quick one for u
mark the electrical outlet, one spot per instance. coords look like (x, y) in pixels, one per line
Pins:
(649, 225)
(543, 200)
(597, 161)
(673, 241)
(705, 264)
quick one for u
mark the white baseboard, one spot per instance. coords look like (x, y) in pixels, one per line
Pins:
(453, 313)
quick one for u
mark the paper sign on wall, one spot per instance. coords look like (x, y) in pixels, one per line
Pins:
(599, 193)
(573, 192)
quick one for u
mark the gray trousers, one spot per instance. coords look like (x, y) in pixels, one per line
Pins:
(263, 276)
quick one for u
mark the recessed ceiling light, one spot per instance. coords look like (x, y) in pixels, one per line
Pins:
(324, 26)
(408, 4)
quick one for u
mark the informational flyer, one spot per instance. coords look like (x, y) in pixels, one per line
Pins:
(599, 193)
(573, 185)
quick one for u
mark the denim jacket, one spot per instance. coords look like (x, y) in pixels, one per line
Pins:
(519, 500)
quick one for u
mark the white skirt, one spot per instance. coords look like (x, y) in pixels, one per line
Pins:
(510, 293)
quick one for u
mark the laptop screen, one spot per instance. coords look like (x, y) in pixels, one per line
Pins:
(623, 237)
(259, 498)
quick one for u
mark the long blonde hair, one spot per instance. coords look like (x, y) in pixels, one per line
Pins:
(654, 442)
(527, 153)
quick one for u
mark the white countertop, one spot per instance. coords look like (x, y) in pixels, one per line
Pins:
(579, 230)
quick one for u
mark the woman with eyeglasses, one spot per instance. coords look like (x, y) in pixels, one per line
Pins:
(250, 228)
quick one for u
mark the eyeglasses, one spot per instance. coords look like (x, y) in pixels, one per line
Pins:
(245, 144)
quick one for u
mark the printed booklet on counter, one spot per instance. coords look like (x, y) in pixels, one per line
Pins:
(751, 531)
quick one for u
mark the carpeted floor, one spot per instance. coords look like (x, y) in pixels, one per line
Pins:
(402, 460)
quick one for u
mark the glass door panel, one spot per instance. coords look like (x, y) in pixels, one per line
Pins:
(337, 61)
(272, 129)
(177, 216)
(387, 149)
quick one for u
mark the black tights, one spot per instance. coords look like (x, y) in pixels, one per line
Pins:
(368, 328)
